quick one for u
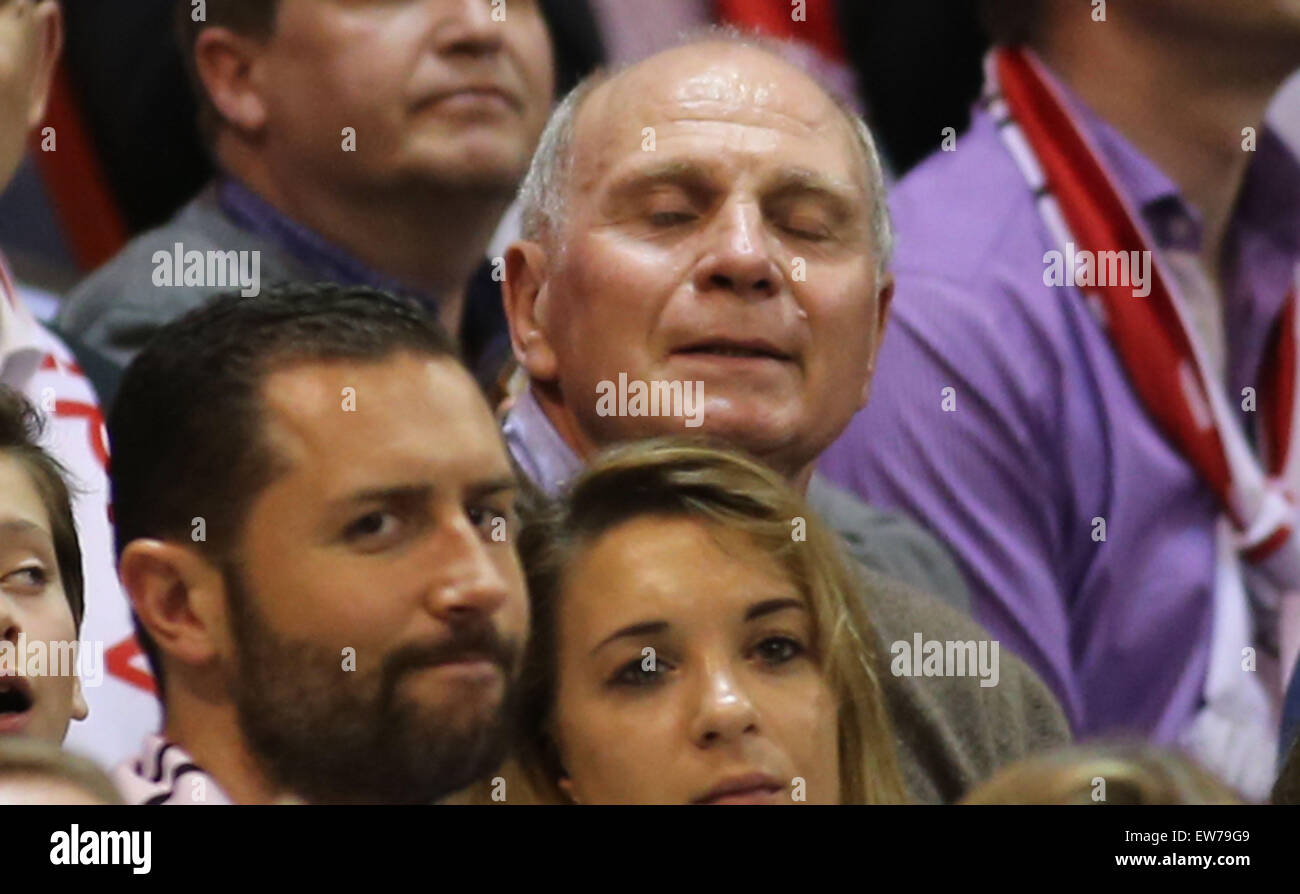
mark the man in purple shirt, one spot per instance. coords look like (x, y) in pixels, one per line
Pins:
(1001, 414)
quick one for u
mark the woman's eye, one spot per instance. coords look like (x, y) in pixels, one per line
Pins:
(639, 672)
(779, 649)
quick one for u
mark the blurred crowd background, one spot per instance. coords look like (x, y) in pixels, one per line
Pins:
(130, 151)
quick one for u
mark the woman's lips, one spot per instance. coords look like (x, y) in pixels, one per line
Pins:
(752, 796)
(750, 788)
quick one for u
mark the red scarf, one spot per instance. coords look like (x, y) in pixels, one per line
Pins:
(1150, 333)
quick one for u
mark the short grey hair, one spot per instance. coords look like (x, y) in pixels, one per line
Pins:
(544, 195)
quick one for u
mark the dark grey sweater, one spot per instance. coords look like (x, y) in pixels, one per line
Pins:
(952, 732)
(117, 309)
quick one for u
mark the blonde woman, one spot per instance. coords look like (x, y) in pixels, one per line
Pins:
(697, 638)
(1108, 773)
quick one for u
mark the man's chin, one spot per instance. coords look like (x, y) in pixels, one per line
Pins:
(465, 719)
(477, 709)
(482, 162)
(750, 425)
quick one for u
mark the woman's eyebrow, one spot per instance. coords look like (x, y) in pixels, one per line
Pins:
(771, 606)
(641, 628)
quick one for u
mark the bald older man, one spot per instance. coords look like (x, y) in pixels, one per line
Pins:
(706, 249)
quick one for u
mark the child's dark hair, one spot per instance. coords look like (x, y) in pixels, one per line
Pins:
(20, 433)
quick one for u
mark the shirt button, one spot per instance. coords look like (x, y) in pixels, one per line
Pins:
(1182, 232)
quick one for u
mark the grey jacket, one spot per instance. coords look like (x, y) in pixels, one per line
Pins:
(891, 543)
(117, 309)
(952, 733)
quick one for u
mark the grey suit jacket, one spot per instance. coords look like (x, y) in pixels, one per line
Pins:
(891, 543)
(117, 309)
(952, 733)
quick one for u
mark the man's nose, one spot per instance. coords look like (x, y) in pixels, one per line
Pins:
(739, 260)
(468, 26)
(468, 581)
(724, 711)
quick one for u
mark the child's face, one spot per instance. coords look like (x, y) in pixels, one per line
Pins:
(39, 692)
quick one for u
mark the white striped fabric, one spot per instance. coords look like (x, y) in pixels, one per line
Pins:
(164, 774)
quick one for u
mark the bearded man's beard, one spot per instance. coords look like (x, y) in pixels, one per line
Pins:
(329, 735)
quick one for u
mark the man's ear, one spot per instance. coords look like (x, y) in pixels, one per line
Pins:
(180, 599)
(527, 297)
(884, 299)
(228, 65)
(48, 46)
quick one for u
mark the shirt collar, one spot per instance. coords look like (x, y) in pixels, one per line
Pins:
(330, 262)
(164, 773)
(1269, 201)
(537, 447)
(1140, 180)
(551, 464)
(20, 347)
(1270, 197)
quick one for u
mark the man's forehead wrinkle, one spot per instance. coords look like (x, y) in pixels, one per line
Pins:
(744, 88)
(727, 86)
(729, 95)
(742, 150)
(769, 119)
(696, 101)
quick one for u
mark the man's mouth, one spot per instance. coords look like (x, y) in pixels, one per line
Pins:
(759, 349)
(470, 96)
(475, 661)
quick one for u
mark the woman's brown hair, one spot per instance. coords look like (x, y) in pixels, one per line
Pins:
(21, 757)
(679, 478)
(1115, 773)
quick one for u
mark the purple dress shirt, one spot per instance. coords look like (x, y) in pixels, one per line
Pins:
(329, 262)
(1047, 434)
(484, 337)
